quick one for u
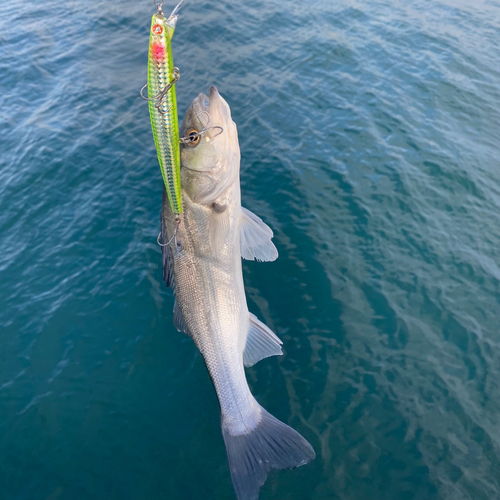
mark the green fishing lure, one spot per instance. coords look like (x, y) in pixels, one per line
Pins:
(162, 75)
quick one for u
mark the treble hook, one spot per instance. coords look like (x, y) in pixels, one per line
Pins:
(177, 224)
(192, 136)
(207, 115)
(159, 97)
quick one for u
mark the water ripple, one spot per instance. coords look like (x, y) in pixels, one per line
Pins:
(369, 139)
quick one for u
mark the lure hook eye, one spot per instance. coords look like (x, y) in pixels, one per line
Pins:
(159, 5)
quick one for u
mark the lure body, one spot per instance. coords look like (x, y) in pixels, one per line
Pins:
(163, 108)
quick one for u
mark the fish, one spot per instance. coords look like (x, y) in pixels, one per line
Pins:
(203, 265)
(162, 75)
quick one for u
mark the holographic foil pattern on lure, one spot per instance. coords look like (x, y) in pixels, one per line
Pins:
(162, 75)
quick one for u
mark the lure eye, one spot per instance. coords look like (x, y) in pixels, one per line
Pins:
(157, 29)
(193, 137)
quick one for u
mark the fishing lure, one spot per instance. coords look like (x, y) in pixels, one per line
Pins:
(162, 75)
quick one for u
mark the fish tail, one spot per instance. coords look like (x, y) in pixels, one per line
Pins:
(269, 445)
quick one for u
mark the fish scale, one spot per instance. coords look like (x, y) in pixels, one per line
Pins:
(212, 297)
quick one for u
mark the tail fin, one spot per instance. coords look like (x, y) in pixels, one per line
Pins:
(270, 445)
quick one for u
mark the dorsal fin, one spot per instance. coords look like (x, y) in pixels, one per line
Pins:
(255, 238)
(179, 322)
(166, 252)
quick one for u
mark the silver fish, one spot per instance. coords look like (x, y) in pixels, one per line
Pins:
(202, 263)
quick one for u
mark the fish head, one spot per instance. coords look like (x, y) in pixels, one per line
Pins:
(210, 153)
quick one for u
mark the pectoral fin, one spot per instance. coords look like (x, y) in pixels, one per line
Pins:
(219, 225)
(261, 342)
(255, 238)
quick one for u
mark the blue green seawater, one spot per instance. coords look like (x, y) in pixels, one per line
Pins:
(370, 139)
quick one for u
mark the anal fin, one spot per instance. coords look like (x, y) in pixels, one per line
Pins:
(261, 342)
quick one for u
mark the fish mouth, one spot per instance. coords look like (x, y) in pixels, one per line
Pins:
(219, 110)
(214, 98)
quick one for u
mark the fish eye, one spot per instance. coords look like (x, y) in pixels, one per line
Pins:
(193, 137)
(157, 29)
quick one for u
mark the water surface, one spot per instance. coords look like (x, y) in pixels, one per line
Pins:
(369, 139)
